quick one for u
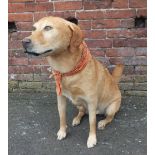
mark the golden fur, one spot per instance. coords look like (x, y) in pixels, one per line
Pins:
(93, 90)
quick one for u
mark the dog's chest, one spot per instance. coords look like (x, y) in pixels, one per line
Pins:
(69, 96)
(76, 99)
(72, 91)
(73, 99)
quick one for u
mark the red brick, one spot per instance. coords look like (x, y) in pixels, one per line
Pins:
(138, 60)
(104, 61)
(141, 12)
(141, 51)
(11, 1)
(17, 53)
(104, 4)
(141, 33)
(24, 17)
(44, 7)
(120, 52)
(39, 15)
(90, 15)
(97, 52)
(44, 69)
(24, 26)
(116, 60)
(120, 4)
(117, 14)
(127, 23)
(69, 5)
(134, 33)
(64, 14)
(42, 0)
(95, 34)
(85, 25)
(36, 69)
(9, 36)
(37, 61)
(14, 44)
(18, 61)
(30, 7)
(129, 61)
(20, 69)
(137, 3)
(22, 35)
(105, 23)
(68, 14)
(16, 7)
(19, 35)
(99, 43)
(10, 53)
(130, 43)
(58, 14)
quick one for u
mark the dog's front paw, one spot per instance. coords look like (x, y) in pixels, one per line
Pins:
(61, 134)
(91, 142)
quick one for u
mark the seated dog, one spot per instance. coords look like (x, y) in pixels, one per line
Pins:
(79, 76)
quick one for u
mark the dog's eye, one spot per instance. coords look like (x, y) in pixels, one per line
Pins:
(47, 28)
(33, 28)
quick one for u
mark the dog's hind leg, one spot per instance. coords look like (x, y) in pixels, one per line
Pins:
(110, 113)
(77, 119)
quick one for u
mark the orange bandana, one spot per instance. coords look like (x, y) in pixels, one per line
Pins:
(80, 65)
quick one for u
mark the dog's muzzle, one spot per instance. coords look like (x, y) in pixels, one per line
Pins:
(37, 54)
(27, 44)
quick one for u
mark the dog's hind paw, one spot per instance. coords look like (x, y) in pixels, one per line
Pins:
(101, 124)
(76, 121)
(61, 135)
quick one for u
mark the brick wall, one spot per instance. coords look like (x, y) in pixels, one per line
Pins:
(115, 31)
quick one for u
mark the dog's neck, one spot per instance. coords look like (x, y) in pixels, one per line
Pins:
(65, 61)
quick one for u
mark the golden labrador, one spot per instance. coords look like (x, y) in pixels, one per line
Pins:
(92, 89)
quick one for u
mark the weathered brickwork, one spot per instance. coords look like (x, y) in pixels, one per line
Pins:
(115, 31)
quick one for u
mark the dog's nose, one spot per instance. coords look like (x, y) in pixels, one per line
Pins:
(26, 42)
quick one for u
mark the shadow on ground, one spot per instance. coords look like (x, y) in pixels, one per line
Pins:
(34, 121)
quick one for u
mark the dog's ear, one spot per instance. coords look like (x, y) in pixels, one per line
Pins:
(72, 20)
(76, 38)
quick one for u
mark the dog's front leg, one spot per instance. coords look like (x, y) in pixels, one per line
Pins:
(62, 114)
(91, 142)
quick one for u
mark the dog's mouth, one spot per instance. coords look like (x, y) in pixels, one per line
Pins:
(38, 54)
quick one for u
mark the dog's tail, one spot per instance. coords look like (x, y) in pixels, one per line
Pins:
(117, 72)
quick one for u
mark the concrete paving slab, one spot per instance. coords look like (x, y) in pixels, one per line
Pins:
(34, 121)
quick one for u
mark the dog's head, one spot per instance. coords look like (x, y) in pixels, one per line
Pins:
(52, 35)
